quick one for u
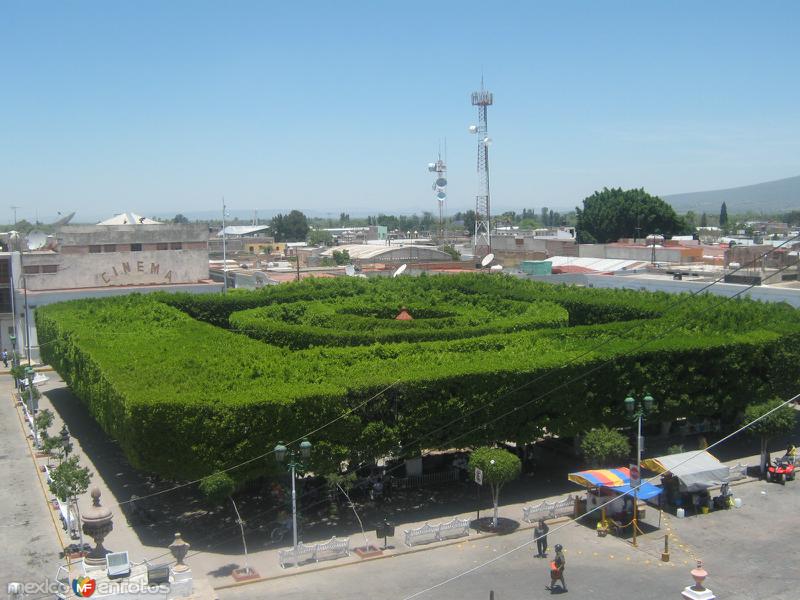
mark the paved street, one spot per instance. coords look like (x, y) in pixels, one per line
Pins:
(30, 540)
(750, 554)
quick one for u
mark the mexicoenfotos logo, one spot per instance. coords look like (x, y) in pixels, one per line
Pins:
(84, 586)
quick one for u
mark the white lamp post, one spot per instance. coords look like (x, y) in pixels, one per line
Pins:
(281, 452)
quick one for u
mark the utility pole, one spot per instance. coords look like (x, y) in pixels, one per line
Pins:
(14, 208)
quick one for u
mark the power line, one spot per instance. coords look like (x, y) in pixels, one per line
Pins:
(601, 506)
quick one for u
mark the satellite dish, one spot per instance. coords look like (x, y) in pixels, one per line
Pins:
(441, 182)
(487, 260)
(473, 128)
(496, 268)
(431, 167)
(400, 270)
(487, 141)
(36, 240)
(441, 195)
(350, 270)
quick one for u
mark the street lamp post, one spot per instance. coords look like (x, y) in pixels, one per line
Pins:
(29, 374)
(65, 443)
(281, 452)
(638, 413)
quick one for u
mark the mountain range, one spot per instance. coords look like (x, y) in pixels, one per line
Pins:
(770, 197)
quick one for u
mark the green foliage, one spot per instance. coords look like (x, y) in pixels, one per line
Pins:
(185, 396)
(451, 250)
(780, 422)
(499, 466)
(604, 446)
(43, 421)
(217, 487)
(69, 479)
(341, 257)
(612, 214)
(180, 219)
(289, 228)
(723, 215)
(676, 449)
(317, 237)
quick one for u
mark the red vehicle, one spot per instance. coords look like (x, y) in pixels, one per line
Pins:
(781, 469)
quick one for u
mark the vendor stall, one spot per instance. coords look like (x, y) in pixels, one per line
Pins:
(611, 487)
(696, 471)
(688, 476)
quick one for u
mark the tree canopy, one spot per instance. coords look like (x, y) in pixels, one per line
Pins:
(290, 228)
(779, 422)
(612, 214)
(499, 467)
(69, 479)
(603, 446)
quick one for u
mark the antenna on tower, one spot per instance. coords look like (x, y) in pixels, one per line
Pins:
(482, 243)
(440, 187)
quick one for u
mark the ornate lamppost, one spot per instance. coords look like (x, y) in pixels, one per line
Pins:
(638, 412)
(281, 452)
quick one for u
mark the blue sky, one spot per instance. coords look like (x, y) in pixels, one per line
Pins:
(164, 107)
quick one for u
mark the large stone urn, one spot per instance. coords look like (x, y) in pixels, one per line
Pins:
(97, 524)
(698, 591)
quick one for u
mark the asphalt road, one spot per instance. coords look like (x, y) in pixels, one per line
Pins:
(749, 553)
(29, 540)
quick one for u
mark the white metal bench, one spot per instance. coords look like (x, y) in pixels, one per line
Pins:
(333, 548)
(435, 533)
(299, 554)
(549, 510)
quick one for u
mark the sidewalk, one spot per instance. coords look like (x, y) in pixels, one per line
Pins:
(218, 558)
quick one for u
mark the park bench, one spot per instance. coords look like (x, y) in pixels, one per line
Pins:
(549, 510)
(435, 533)
(333, 548)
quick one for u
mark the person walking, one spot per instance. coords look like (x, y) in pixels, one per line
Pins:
(557, 569)
(4, 357)
(540, 535)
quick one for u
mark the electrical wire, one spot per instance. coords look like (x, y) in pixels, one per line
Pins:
(601, 506)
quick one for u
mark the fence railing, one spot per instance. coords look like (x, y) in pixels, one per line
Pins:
(416, 481)
(549, 510)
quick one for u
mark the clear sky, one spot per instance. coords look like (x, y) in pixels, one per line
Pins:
(165, 107)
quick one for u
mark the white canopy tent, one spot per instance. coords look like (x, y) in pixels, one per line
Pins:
(696, 471)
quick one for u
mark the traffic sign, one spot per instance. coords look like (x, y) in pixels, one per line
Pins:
(634, 475)
(478, 476)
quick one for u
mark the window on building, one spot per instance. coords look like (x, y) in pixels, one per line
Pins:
(31, 269)
(95, 249)
(109, 247)
(4, 271)
(136, 247)
(175, 246)
(5, 303)
(162, 246)
(49, 268)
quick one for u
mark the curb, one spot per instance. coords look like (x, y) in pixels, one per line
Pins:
(453, 542)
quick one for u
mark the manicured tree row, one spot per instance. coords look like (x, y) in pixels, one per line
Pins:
(185, 398)
(360, 320)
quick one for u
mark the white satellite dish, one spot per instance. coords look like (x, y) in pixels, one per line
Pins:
(400, 270)
(487, 260)
(350, 270)
(473, 128)
(36, 240)
(441, 195)
(496, 268)
(441, 182)
(487, 141)
(431, 167)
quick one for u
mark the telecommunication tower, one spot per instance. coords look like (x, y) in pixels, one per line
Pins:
(440, 189)
(482, 242)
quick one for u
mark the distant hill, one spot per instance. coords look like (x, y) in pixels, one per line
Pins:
(777, 196)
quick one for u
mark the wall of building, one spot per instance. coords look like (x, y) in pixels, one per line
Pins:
(107, 269)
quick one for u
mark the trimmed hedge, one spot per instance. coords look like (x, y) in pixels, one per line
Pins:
(185, 397)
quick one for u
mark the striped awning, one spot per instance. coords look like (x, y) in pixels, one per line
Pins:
(602, 477)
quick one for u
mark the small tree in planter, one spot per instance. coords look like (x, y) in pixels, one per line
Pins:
(779, 422)
(499, 467)
(603, 446)
(68, 481)
(42, 421)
